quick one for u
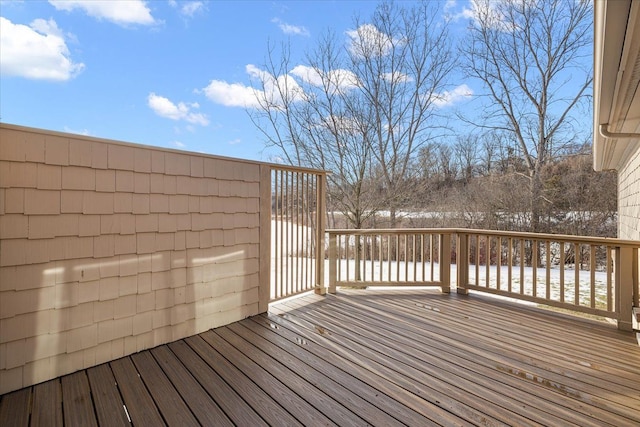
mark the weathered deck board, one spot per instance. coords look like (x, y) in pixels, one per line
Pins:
(107, 401)
(378, 357)
(77, 405)
(47, 404)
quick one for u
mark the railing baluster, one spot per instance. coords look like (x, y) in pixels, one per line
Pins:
(576, 296)
(592, 276)
(522, 262)
(562, 267)
(609, 273)
(509, 264)
(534, 267)
(548, 269)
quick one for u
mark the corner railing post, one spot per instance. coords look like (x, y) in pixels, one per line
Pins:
(445, 263)
(462, 263)
(321, 227)
(333, 262)
(626, 281)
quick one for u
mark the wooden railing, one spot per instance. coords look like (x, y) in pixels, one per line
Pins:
(297, 231)
(586, 274)
(406, 257)
(591, 275)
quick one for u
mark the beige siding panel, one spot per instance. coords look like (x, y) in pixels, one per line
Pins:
(629, 199)
(108, 248)
(49, 177)
(120, 157)
(56, 150)
(13, 226)
(80, 153)
(77, 178)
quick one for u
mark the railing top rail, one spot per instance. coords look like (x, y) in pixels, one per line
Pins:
(290, 168)
(369, 231)
(609, 241)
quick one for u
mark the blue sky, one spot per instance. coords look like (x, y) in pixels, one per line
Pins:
(166, 73)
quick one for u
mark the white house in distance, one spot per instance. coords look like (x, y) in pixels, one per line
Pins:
(616, 113)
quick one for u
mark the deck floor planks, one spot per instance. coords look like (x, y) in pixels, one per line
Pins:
(547, 344)
(346, 400)
(461, 394)
(461, 363)
(382, 357)
(500, 393)
(47, 404)
(106, 397)
(375, 374)
(257, 398)
(379, 406)
(267, 381)
(222, 393)
(492, 342)
(325, 410)
(549, 367)
(139, 403)
(15, 408)
(201, 404)
(76, 400)
(171, 405)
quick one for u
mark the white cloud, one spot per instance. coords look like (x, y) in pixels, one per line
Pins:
(231, 94)
(448, 98)
(397, 77)
(123, 12)
(38, 51)
(165, 108)
(368, 41)
(188, 8)
(291, 29)
(241, 95)
(338, 79)
(178, 144)
(84, 132)
(235, 141)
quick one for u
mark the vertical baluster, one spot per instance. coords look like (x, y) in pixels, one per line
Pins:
(548, 268)
(576, 285)
(498, 261)
(592, 268)
(487, 261)
(431, 258)
(522, 262)
(477, 240)
(562, 266)
(534, 267)
(609, 271)
(509, 263)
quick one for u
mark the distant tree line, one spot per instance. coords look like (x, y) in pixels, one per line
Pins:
(482, 183)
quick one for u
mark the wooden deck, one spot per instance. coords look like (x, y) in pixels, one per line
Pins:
(362, 357)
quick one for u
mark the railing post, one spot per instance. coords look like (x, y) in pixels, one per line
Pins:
(320, 221)
(445, 263)
(462, 263)
(333, 260)
(626, 282)
(264, 290)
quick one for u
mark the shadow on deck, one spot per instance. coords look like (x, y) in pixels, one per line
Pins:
(401, 357)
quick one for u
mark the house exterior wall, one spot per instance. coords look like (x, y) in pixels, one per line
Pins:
(629, 198)
(109, 248)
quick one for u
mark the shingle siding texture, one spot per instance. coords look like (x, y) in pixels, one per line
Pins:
(107, 249)
(629, 199)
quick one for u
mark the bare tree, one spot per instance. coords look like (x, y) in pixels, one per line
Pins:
(360, 107)
(402, 59)
(525, 53)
